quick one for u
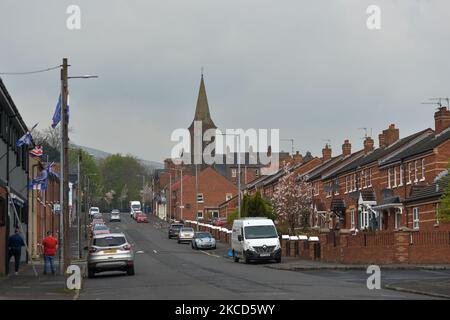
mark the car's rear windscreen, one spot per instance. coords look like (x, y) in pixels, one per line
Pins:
(109, 241)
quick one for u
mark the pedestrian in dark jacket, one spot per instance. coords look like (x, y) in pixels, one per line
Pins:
(50, 244)
(15, 244)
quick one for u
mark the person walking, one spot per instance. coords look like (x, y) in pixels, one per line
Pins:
(15, 244)
(49, 243)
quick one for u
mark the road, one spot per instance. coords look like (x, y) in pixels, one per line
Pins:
(168, 270)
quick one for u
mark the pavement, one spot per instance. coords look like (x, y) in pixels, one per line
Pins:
(27, 286)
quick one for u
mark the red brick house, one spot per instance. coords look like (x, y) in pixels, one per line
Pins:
(213, 189)
(369, 189)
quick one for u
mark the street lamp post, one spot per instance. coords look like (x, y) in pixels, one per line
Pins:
(239, 169)
(143, 187)
(65, 159)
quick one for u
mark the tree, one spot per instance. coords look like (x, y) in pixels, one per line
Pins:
(444, 205)
(123, 195)
(292, 201)
(253, 206)
(117, 171)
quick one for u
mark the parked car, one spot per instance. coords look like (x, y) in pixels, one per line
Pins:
(220, 222)
(100, 229)
(115, 216)
(108, 252)
(93, 211)
(186, 234)
(203, 240)
(142, 217)
(136, 213)
(255, 239)
(174, 230)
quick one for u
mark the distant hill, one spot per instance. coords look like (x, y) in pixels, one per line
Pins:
(99, 155)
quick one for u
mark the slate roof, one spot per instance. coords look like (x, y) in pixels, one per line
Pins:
(429, 192)
(379, 153)
(424, 146)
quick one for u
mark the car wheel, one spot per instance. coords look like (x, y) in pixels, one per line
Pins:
(235, 258)
(246, 260)
(278, 260)
(130, 270)
(91, 273)
(214, 248)
(178, 241)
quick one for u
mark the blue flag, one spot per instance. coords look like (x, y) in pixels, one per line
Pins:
(27, 138)
(57, 115)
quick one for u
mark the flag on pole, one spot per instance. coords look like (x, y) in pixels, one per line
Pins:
(37, 152)
(41, 181)
(57, 115)
(27, 138)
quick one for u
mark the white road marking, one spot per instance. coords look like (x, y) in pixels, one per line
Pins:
(210, 254)
(154, 251)
(140, 251)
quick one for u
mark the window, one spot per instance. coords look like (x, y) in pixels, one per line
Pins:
(398, 218)
(346, 184)
(395, 177)
(363, 218)
(409, 173)
(214, 214)
(233, 173)
(199, 215)
(329, 186)
(316, 188)
(423, 170)
(416, 218)
(370, 177)
(199, 197)
(363, 179)
(336, 187)
(256, 172)
(389, 177)
(352, 218)
(437, 213)
(355, 182)
(402, 169)
(228, 196)
(415, 172)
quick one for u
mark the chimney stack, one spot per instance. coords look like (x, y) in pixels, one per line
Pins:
(346, 148)
(382, 140)
(441, 120)
(326, 153)
(298, 157)
(368, 145)
(389, 136)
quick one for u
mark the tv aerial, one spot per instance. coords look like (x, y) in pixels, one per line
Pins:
(438, 101)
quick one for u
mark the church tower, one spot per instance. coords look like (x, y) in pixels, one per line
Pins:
(201, 114)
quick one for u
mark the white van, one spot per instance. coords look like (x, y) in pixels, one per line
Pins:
(255, 239)
(134, 206)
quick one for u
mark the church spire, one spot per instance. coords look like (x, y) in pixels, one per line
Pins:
(202, 110)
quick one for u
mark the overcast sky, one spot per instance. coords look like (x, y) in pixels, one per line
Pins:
(309, 68)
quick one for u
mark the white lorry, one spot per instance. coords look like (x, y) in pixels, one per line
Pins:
(134, 206)
(255, 239)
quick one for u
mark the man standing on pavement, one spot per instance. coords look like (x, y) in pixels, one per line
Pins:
(15, 244)
(49, 243)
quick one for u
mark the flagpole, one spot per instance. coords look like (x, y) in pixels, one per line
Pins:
(61, 186)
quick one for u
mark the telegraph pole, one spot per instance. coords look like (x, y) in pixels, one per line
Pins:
(65, 163)
(79, 203)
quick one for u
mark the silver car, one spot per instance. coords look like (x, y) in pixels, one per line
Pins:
(185, 235)
(203, 240)
(110, 252)
(115, 216)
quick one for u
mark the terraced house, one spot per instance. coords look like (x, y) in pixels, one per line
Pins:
(395, 185)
